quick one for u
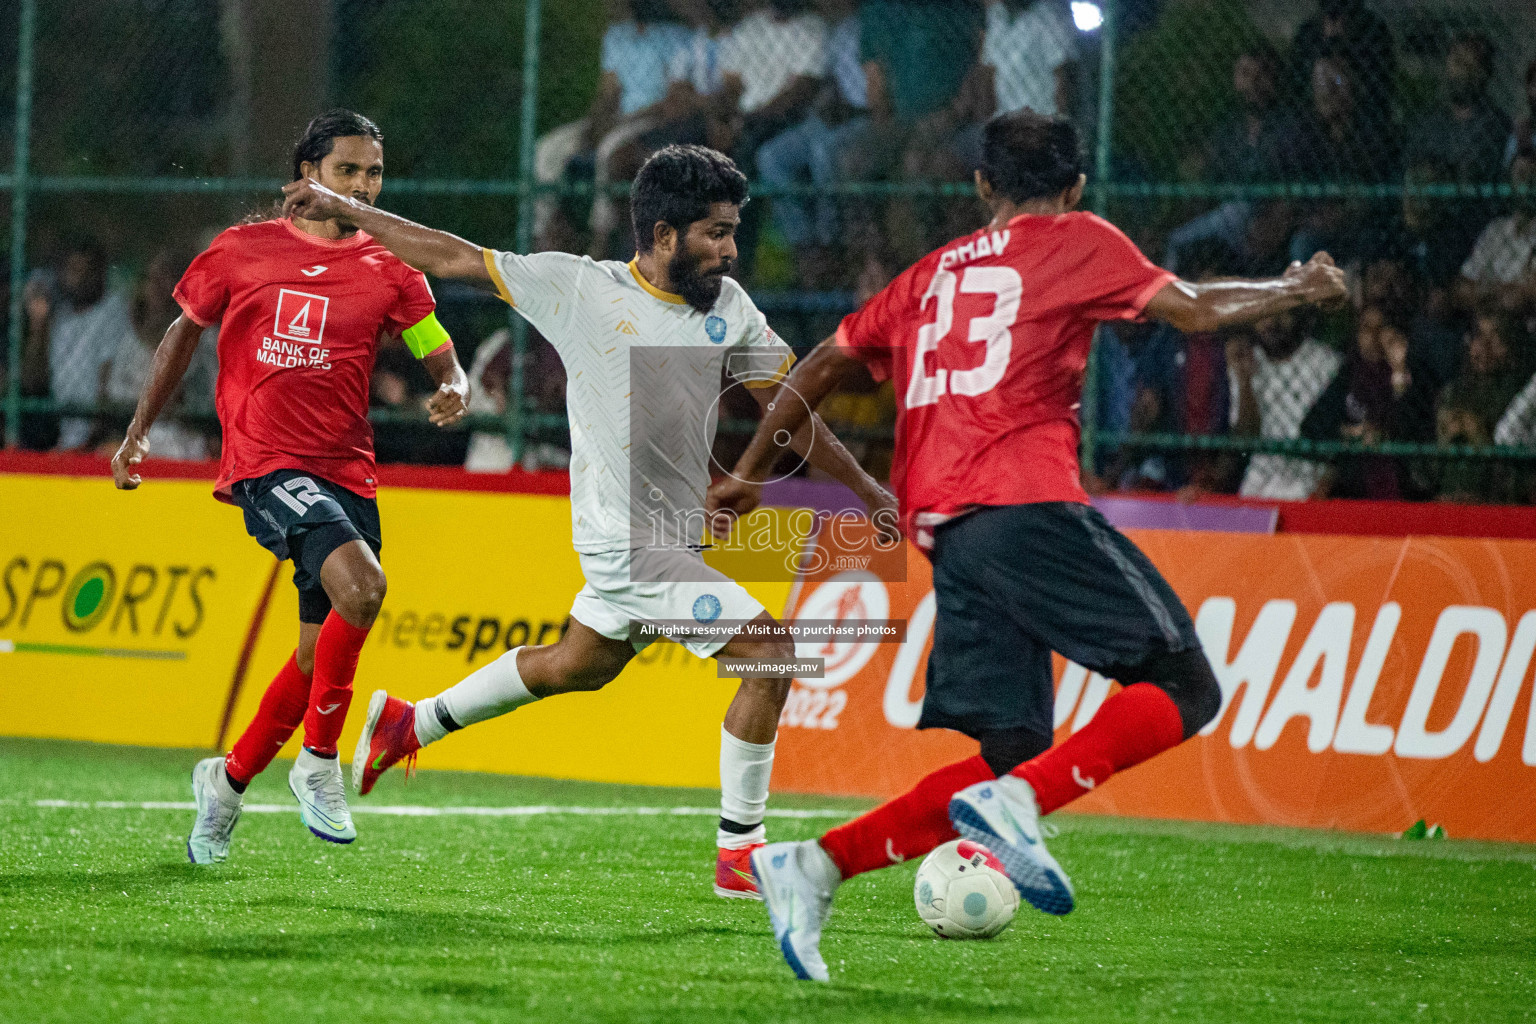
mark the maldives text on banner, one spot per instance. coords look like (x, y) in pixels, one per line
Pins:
(1368, 682)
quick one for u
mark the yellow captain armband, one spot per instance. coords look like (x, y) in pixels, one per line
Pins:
(426, 337)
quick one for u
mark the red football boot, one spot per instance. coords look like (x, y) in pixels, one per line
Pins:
(733, 874)
(389, 734)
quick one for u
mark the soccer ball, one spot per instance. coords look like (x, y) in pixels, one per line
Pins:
(962, 893)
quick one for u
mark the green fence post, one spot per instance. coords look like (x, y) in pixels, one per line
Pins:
(517, 433)
(25, 32)
(1088, 412)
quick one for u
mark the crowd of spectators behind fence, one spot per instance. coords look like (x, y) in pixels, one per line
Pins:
(810, 96)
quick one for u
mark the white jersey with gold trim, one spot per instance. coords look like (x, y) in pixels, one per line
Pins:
(644, 373)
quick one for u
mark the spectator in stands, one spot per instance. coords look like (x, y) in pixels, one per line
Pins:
(772, 66)
(75, 334)
(1432, 234)
(917, 55)
(1373, 399)
(1348, 29)
(1274, 384)
(1028, 58)
(1478, 401)
(640, 48)
(1517, 424)
(490, 378)
(152, 311)
(1155, 379)
(1502, 267)
(1244, 148)
(1141, 391)
(1466, 130)
(1338, 141)
(1524, 135)
(696, 74)
(1435, 349)
(812, 149)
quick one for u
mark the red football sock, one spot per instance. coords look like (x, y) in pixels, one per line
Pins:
(906, 827)
(331, 693)
(282, 709)
(1137, 723)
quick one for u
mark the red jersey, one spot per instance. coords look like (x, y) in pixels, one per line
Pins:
(301, 319)
(986, 342)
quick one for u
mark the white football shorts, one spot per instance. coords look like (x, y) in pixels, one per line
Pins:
(698, 598)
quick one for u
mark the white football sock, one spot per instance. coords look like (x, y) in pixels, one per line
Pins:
(744, 772)
(485, 693)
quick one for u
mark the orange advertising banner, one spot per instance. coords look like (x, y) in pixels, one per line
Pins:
(1367, 683)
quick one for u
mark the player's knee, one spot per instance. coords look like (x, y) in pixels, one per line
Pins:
(576, 673)
(589, 678)
(774, 650)
(769, 690)
(1006, 749)
(1187, 678)
(1210, 696)
(361, 597)
(305, 660)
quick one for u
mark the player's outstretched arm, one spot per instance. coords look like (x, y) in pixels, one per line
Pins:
(1215, 305)
(815, 442)
(172, 358)
(431, 251)
(792, 424)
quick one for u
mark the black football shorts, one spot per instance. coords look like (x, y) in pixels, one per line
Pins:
(1014, 583)
(298, 515)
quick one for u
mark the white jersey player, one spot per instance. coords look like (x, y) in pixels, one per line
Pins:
(644, 346)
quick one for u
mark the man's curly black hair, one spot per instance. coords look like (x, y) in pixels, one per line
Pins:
(677, 185)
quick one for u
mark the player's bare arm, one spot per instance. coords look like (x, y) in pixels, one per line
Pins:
(785, 424)
(172, 358)
(1216, 305)
(434, 252)
(815, 442)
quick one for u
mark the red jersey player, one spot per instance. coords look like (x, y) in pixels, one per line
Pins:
(302, 308)
(986, 341)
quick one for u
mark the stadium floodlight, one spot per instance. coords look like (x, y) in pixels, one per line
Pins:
(1086, 16)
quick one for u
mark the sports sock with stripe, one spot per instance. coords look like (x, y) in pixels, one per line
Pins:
(905, 827)
(330, 694)
(745, 769)
(1139, 722)
(485, 693)
(279, 714)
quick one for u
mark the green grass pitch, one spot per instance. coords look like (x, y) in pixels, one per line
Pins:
(573, 918)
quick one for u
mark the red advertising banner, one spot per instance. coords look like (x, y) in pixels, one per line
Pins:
(1367, 682)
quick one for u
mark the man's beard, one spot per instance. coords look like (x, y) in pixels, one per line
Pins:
(701, 291)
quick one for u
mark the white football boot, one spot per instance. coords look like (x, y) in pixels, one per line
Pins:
(316, 783)
(1002, 816)
(218, 809)
(797, 881)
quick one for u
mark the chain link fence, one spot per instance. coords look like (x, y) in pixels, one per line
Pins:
(1228, 137)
